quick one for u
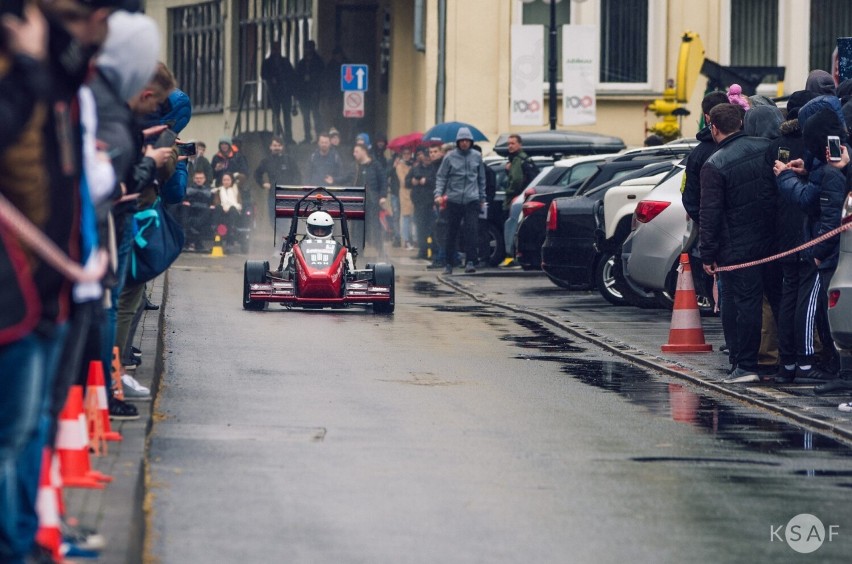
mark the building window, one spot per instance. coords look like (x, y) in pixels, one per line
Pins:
(754, 33)
(262, 21)
(537, 12)
(197, 53)
(830, 19)
(624, 41)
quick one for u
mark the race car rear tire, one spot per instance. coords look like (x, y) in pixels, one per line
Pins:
(383, 275)
(254, 272)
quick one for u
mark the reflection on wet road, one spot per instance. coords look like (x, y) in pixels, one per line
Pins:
(745, 429)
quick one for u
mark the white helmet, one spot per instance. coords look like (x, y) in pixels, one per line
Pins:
(320, 225)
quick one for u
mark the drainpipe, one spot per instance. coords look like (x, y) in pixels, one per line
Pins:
(441, 85)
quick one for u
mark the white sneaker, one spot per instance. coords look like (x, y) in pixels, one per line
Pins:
(845, 406)
(133, 390)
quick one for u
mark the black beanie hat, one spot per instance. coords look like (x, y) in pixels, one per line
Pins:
(818, 127)
(796, 101)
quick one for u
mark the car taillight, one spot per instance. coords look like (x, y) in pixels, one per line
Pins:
(530, 207)
(551, 216)
(833, 298)
(646, 210)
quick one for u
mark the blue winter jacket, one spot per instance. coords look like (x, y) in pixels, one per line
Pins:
(821, 197)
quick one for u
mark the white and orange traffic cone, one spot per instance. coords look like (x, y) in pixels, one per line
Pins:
(97, 388)
(72, 445)
(49, 534)
(686, 334)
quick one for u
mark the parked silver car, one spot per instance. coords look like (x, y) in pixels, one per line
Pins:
(840, 291)
(660, 229)
(651, 254)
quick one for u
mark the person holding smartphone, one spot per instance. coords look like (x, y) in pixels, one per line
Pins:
(795, 269)
(820, 196)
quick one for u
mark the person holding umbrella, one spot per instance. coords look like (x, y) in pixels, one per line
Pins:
(460, 183)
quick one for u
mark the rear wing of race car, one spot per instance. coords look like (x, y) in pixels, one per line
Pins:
(353, 198)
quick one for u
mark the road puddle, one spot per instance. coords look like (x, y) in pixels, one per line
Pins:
(660, 396)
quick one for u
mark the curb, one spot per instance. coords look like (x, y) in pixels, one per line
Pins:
(658, 364)
(143, 513)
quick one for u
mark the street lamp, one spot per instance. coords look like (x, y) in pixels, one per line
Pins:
(551, 65)
(552, 60)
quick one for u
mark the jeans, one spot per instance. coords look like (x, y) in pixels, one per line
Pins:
(509, 228)
(456, 214)
(124, 236)
(27, 368)
(742, 314)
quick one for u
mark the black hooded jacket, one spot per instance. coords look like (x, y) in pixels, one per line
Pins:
(790, 219)
(692, 181)
(738, 195)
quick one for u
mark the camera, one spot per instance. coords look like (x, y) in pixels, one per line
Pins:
(834, 153)
(186, 149)
(784, 155)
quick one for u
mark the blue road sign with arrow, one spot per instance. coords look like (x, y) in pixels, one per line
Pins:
(353, 78)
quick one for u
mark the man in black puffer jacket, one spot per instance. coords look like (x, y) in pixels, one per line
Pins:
(691, 189)
(736, 225)
(698, 156)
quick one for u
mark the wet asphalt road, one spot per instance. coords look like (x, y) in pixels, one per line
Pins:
(454, 432)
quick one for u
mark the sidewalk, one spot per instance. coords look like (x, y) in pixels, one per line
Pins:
(117, 511)
(637, 335)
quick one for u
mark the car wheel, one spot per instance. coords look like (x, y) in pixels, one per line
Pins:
(383, 275)
(254, 272)
(605, 280)
(632, 295)
(492, 250)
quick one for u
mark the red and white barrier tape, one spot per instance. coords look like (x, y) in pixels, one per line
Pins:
(845, 226)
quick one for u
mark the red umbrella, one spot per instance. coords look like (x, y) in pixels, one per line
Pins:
(409, 141)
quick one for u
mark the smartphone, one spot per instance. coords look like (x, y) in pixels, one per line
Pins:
(784, 155)
(186, 149)
(166, 139)
(834, 148)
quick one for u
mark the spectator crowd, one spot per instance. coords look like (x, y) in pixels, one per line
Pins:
(763, 181)
(90, 146)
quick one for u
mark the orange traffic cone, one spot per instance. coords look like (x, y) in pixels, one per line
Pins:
(56, 480)
(686, 334)
(72, 444)
(97, 388)
(115, 374)
(49, 535)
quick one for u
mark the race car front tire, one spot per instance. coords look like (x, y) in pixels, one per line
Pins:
(254, 272)
(383, 275)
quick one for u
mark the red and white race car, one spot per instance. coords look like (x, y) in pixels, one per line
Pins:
(318, 269)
